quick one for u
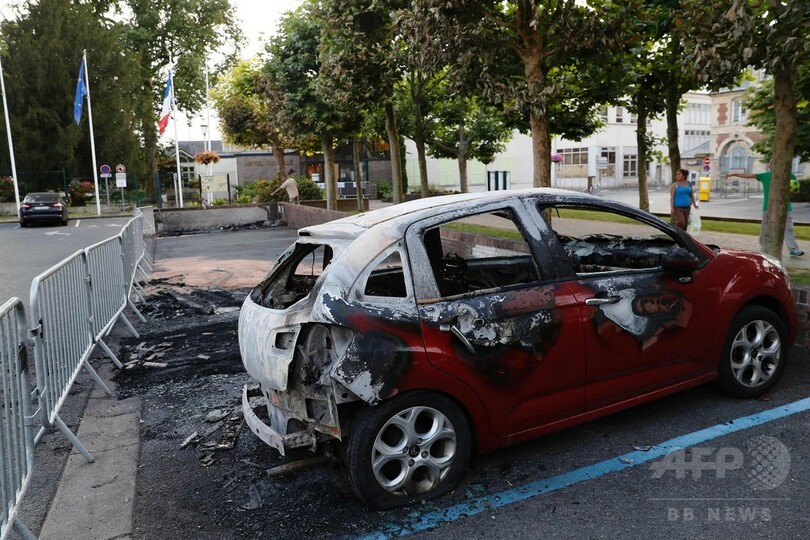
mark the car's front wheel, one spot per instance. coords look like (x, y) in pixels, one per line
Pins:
(755, 353)
(411, 448)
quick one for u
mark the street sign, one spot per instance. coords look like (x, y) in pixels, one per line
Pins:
(120, 168)
(707, 160)
(120, 179)
(105, 169)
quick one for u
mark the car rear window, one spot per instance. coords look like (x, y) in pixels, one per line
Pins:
(41, 198)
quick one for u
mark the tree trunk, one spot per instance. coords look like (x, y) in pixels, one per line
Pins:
(278, 154)
(358, 179)
(541, 151)
(784, 145)
(393, 142)
(463, 149)
(419, 136)
(419, 141)
(328, 177)
(673, 104)
(641, 159)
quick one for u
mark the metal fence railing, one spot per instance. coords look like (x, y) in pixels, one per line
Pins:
(16, 430)
(74, 306)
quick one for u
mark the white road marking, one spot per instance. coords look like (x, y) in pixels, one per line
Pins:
(57, 233)
(77, 223)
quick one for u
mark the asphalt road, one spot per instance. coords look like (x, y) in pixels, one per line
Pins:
(597, 480)
(26, 253)
(741, 478)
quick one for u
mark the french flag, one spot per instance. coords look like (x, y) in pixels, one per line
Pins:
(163, 121)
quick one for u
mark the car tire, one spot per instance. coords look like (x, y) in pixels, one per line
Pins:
(754, 355)
(408, 469)
(23, 224)
(64, 222)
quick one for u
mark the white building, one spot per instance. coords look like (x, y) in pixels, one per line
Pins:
(609, 156)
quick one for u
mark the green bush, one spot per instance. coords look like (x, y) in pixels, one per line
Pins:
(384, 190)
(243, 199)
(220, 202)
(6, 188)
(261, 190)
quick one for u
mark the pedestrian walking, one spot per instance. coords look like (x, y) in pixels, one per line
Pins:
(765, 179)
(681, 199)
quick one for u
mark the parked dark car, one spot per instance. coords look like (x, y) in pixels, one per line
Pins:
(43, 207)
(413, 336)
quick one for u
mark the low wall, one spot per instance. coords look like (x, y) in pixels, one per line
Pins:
(175, 219)
(802, 296)
(343, 205)
(297, 216)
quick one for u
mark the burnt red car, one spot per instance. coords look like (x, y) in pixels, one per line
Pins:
(413, 336)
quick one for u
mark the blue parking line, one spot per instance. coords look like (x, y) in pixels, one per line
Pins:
(478, 505)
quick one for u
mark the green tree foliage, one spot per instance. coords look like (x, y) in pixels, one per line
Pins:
(43, 50)
(361, 63)
(553, 61)
(759, 102)
(295, 66)
(251, 109)
(184, 31)
(466, 128)
(764, 34)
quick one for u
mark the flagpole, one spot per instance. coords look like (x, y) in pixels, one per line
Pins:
(176, 142)
(10, 144)
(92, 138)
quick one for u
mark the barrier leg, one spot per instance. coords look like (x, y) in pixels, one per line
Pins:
(132, 330)
(143, 274)
(111, 356)
(88, 457)
(138, 313)
(23, 531)
(139, 291)
(98, 380)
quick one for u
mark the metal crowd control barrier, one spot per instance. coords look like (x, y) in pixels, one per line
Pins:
(74, 306)
(16, 431)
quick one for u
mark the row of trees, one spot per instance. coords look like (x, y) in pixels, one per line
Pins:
(129, 45)
(457, 77)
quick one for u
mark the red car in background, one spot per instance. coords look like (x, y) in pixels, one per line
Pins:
(410, 337)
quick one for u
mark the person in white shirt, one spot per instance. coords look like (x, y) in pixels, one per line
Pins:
(290, 185)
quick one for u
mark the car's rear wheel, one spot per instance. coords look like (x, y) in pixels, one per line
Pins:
(411, 448)
(64, 222)
(23, 224)
(755, 353)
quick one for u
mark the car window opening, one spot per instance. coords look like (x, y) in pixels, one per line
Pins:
(482, 252)
(388, 278)
(294, 279)
(639, 246)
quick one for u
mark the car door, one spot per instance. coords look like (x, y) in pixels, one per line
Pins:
(645, 328)
(491, 318)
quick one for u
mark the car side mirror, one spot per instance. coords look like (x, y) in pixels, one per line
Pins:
(680, 262)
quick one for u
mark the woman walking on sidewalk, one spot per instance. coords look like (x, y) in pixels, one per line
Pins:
(681, 199)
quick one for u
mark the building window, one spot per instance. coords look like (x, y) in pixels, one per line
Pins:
(607, 161)
(694, 138)
(619, 115)
(633, 118)
(739, 158)
(574, 163)
(630, 165)
(603, 114)
(698, 113)
(738, 112)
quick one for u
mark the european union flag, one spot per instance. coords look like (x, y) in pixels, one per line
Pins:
(81, 91)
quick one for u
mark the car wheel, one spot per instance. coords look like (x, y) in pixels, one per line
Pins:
(411, 448)
(755, 353)
(64, 222)
(23, 224)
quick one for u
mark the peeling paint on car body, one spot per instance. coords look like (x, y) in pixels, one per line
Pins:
(330, 343)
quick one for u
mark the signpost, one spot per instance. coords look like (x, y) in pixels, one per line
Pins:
(707, 161)
(105, 174)
(121, 180)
